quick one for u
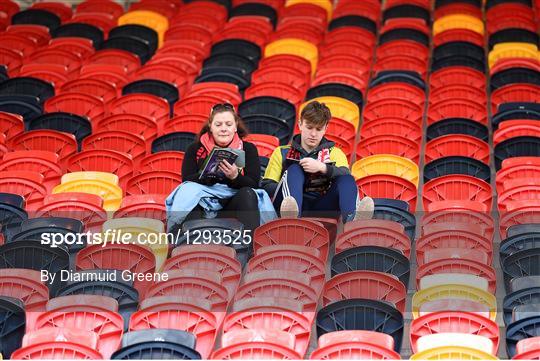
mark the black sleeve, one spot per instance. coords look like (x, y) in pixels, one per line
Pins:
(252, 171)
(190, 168)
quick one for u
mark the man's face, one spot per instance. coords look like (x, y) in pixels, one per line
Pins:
(311, 134)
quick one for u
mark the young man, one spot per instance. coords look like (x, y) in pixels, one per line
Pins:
(311, 175)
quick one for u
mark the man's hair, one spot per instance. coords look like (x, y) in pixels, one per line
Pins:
(316, 113)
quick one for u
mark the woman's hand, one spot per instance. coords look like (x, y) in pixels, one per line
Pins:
(311, 165)
(230, 171)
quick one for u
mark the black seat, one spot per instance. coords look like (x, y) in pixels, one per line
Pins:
(27, 86)
(520, 330)
(521, 264)
(516, 147)
(440, 3)
(407, 11)
(513, 35)
(518, 229)
(520, 297)
(388, 202)
(492, 3)
(518, 242)
(229, 60)
(353, 20)
(80, 30)
(142, 32)
(173, 141)
(226, 75)
(398, 76)
(11, 210)
(506, 112)
(264, 164)
(156, 350)
(458, 60)
(26, 106)
(521, 283)
(180, 337)
(458, 48)
(456, 165)
(525, 311)
(514, 75)
(275, 107)
(390, 213)
(372, 258)
(404, 34)
(225, 3)
(256, 9)
(159, 88)
(338, 90)
(12, 325)
(238, 46)
(361, 314)
(457, 126)
(267, 124)
(134, 45)
(37, 17)
(79, 126)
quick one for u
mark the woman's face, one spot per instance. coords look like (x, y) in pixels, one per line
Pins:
(223, 128)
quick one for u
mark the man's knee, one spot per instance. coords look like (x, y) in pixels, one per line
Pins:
(295, 170)
(247, 195)
(345, 180)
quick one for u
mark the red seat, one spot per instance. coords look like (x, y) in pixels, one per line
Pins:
(405, 23)
(469, 323)
(354, 350)
(143, 205)
(27, 184)
(457, 8)
(460, 216)
(401, 62)
(166, 9)
(25, 285)
(292, 261)
(458, 266)
(526, 168)
(291, 322)
(227, 267)
(39, 33)
(266, 144)
(197, 18)
(308, 33)
(456, 187)
(514, 93)
(189, 32)
(343, 61)
(388, 186)
(146, 105)
(63, 144)
(98, 88)
(313, 12)
(81, 46)
(388, 144)
(56, 56)
(169, 161)
(255, 36)
(373, 236)
(55, 74)
(367, 285)
(177, 316)
(397, 90)
(164, 72)
(368, 9)
(457, 145)
(353, 77)
(437, 254)
(508, 63)
(104, 21)
(518, 192)
(132, 257)
(42, 162)
(392, 126)
(454, 240)
(227, 92)
(278, 90)
(279, 74)
(524, 214)
(9, 7)
(346, 47)
(119, 141)
(88, 208)
(457, 75)
(56, 351)
(124, 58)
(286, 61)
(140, 125)
(191, 123)
(457, 91)
(457, 108)
(19, 43)
(12, 60)
(77, 103)
(3, 147)
(199, 104)
(105, 6)
(350, 33)
(153, 183)
(396, 108)
(255, 350)
(403, 47)
(102, 160)
(11, 125)
(182, 48)
(515, 128)
(293, 232)
(527, 346)
(465, 35)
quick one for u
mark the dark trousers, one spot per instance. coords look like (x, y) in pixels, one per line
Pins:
(340, 199)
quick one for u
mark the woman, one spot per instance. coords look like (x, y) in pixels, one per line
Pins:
(230, 193)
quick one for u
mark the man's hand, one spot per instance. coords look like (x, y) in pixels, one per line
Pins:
(311, 165)
(230, 171)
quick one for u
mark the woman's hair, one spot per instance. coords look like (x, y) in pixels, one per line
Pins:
(222, 108)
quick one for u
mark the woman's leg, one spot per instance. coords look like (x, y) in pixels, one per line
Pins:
(244, 205)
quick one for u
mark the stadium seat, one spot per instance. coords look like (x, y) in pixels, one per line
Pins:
(119, 141)
(293, 46)
(519, 330)
(143, 205)
(456, 165)
(454, 352)
(154, 182)
(13, 322)
(63, 144)
(388, 186)
(80, 30)
(386, 164)
(42, 162)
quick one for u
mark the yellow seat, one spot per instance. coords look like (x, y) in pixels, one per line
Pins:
(461, 279)
(151, 19)
(454, 291)
(452, 353)
(140, 230)
(339, 107)
(299, 47)
(102, 184)
(386, 164)
(458, 21)
(512, 50)
(325, 4)
(445, 339)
